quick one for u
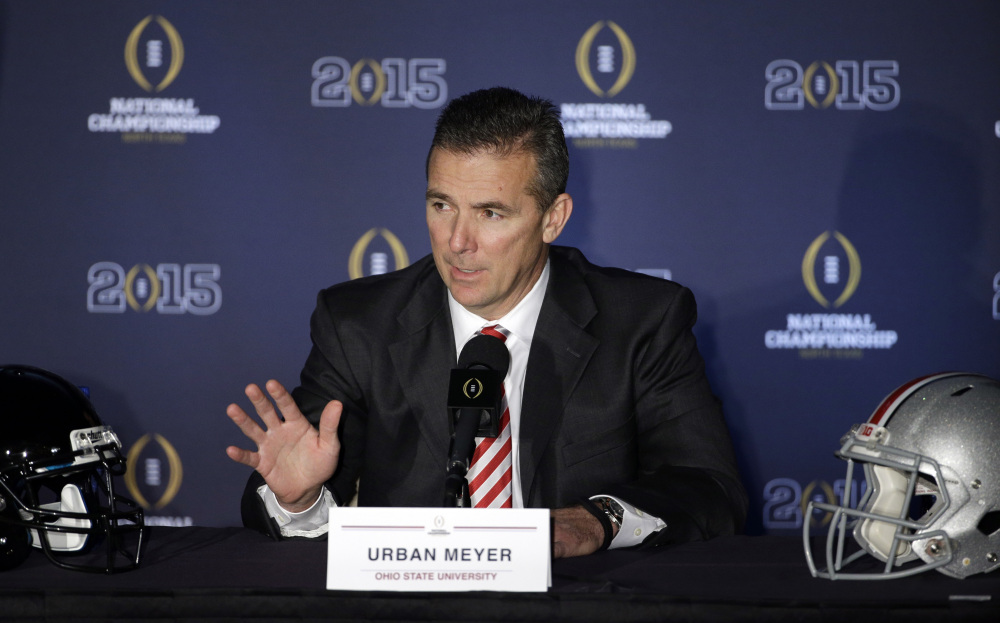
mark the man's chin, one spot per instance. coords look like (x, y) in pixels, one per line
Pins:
(468, 298)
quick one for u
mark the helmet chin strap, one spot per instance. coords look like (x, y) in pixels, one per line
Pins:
(889, 498)
(70, 501)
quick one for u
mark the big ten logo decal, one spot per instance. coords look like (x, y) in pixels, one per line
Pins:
(154, 472)
(169, 288)
(148, 59)
(785, 501)
(847, 85)
(392, 83)
(605, 50)
(376, 245)
(839, 271)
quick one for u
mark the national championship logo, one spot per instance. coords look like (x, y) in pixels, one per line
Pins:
(152, 61)
(154, 56)
(377, 244)
(602, 58)
(831, 272)
(154, 478)
(831, 268)
(606, 62)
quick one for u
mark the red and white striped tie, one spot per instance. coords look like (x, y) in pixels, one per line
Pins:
(490, 472)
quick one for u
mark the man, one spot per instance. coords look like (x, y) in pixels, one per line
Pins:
(611, 421)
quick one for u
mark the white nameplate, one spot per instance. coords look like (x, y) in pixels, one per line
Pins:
(439, 549)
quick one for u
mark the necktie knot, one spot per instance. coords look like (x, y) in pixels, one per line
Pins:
(496, 331)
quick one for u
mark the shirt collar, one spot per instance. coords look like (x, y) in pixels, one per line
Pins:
(520, 321)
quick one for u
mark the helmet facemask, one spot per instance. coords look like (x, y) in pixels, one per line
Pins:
(73, 514)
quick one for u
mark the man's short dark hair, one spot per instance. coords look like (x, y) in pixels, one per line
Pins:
(501, 122)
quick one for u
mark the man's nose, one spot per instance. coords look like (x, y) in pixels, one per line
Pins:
(463, 237)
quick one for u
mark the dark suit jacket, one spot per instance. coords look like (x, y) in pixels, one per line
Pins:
(615, 399)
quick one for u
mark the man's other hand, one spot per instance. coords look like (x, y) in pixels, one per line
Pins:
(576, 532)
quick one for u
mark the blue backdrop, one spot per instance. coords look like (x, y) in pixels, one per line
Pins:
(178, 180)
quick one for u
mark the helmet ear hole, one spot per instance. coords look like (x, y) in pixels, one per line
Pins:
(990, 523)
(920, 506)
(925, 498)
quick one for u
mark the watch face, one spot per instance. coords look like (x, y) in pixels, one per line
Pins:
(612, 509)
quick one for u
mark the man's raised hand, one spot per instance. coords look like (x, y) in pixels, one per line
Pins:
(294, 457)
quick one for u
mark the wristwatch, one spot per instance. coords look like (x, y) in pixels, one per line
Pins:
(611, 508)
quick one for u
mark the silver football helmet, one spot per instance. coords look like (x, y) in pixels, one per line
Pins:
(931, 458)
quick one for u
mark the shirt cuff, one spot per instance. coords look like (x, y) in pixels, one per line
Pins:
(636, 527)
(310, 523)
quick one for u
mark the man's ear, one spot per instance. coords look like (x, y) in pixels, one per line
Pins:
(556, 217)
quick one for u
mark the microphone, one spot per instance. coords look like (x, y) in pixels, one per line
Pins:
(475, 394)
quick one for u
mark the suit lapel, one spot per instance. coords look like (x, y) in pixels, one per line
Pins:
(560, 351)
(425, 356)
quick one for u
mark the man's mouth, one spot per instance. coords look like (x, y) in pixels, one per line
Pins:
(466, 275)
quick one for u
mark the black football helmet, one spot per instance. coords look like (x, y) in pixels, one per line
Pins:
(58, 464)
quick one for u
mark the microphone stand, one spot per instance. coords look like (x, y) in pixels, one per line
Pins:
(456, 485)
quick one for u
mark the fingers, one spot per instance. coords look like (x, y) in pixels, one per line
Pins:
(245, 457)
(561, 546)
(558, 549)
(272, 421)
(262, 405)
(329, 421)
(286, 404)
(250, 428)
(265, 408)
